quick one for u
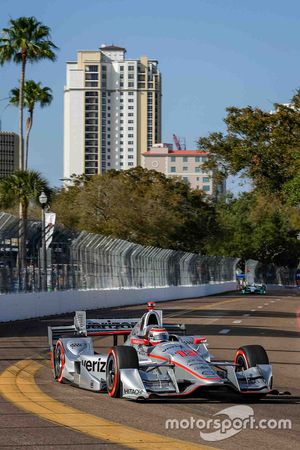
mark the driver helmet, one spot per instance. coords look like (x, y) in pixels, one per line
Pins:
(157, 335)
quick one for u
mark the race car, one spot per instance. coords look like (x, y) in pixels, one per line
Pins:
(254, 289)
(155, 359)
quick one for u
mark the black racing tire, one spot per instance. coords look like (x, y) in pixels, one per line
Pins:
(249, 356)
(59, 361)
(119, 357)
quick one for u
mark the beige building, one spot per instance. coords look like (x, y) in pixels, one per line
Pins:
(112, 109)
(186, 164)
(9, 152)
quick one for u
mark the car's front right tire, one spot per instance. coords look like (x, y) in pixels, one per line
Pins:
(119, 357)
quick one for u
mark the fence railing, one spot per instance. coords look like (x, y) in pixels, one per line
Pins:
(270, 274)
(90, 261)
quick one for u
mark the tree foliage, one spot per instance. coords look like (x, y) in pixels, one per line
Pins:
(138, 205)
(22, 187)
(25, 40)
(258, 227)
(34, 94)
(264, 146)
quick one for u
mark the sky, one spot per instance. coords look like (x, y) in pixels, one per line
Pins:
(212, 54)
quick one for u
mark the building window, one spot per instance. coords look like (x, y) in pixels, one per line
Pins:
(197, 158)
(173, 169)
(130, 67)
(185, 169)
(130, 164)
(130, 156)
(185, 159)
(130, 84)
(130, 93)
(205, 180)
(91, 68)
(91, 83)
(197, 169)
(206, 188)
(121, 68)
(173, 158)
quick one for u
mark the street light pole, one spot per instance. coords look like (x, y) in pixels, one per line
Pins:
(43, 201)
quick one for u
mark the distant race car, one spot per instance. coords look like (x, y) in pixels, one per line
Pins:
(254, 289)
(155, 359)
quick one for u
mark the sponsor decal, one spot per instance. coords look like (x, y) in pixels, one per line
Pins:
(133, 392)
(77, 344)
(164, 348)
(94, 365)
(186, 353)
(110, 325)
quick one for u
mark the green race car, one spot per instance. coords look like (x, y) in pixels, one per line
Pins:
(253, 289)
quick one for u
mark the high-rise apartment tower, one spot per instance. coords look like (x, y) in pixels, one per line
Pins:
(9, 152)
(112, 111)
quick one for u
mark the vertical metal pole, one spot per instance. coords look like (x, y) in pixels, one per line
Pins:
(44, 252)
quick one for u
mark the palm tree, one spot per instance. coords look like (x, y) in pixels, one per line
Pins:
(33, 93)
(26, 40)
(22, 187)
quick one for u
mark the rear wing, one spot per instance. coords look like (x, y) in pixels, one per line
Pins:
(101, 327)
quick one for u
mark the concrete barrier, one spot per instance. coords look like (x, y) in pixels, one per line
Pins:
(40, 304)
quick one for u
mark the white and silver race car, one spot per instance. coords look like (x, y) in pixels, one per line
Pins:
(155, 359)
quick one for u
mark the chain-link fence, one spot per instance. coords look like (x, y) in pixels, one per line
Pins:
(271, 274)
(90, 261)
(105, 262)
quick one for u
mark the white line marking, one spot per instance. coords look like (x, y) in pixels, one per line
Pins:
(247, 315)
(252, 310)
(237, 321)
(266, 304)
(259, 306)
(272, 301)
(224, 331)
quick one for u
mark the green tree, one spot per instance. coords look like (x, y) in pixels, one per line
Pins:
(257, 226)
(34, 94)
(25, 40)
(22, 187)
(263, 146)
(138, 205)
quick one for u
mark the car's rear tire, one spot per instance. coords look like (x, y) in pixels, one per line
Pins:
(119, 357)
(249, 356)
(59, 361)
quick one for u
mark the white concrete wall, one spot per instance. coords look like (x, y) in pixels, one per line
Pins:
(26, 306)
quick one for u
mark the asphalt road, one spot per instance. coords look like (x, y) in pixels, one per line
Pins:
(228, 321)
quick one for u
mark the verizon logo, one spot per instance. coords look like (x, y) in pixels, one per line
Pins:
(110, 325)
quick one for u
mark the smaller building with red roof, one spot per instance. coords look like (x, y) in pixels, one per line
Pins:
(186, 164)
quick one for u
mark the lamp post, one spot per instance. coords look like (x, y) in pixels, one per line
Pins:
(43, 201)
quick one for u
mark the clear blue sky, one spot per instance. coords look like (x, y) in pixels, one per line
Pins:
(212, 54)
